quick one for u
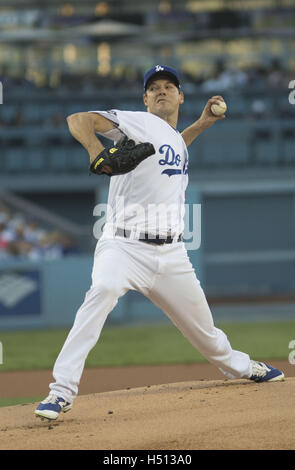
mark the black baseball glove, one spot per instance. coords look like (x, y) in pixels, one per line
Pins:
(122, 158)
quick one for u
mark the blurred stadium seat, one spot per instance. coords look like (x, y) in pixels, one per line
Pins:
(8, 112)
(58, 158)
(35, 159)
(265, 148)
(77, 108)
(193, 105)
(32, 113)
(49, 109)
(288, 145)
(237, 106)
(79, 158)
(33, 135)
(225, 145)
(14, 159)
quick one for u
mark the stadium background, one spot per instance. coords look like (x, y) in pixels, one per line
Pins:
(57, 58)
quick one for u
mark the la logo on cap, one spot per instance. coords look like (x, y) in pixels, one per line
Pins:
(159, 68)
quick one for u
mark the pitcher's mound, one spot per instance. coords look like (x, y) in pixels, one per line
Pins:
(220, 414)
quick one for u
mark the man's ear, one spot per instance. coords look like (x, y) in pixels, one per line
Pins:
(144, 99)
(181, 97)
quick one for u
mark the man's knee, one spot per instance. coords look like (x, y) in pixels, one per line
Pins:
(107, 289)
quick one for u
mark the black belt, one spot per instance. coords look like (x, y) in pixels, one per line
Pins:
(148, 238)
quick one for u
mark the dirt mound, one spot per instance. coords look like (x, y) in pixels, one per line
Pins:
(107, 379)
(216, 414)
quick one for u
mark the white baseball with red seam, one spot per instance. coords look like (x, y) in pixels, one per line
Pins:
(219, 109)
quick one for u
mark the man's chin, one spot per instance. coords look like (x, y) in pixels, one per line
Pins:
(162, 112)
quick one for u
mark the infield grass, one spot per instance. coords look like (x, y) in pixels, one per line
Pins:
(20, 401)
(121, 346)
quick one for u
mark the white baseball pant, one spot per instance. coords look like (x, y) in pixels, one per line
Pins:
(165, 275)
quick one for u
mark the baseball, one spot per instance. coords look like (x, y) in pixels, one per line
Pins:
(219, 109)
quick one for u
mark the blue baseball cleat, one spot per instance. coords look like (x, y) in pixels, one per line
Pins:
(264, 373)
(52, 406)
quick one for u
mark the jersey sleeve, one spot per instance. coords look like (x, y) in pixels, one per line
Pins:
(128, 123)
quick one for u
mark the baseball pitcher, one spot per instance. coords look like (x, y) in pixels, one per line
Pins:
(148, 169)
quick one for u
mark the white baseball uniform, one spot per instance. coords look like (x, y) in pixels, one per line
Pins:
(163, 273)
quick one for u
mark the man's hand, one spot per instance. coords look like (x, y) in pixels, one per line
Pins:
(207, 119)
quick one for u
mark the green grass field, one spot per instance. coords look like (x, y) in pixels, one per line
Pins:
(33, 350)
(121, 346)
(19, 401)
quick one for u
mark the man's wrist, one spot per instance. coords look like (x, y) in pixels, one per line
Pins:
(93, 153)
(200, 125)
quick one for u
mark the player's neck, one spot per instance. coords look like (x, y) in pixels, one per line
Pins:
(171, 119)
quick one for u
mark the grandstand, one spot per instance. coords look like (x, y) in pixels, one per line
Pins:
(58, 58)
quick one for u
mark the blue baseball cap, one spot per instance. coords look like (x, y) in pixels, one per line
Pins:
(161, 70)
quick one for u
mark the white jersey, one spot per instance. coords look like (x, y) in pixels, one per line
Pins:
(149, 199)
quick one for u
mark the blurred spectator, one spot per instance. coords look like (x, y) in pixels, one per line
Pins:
(33, 233)
(58, 119)
(49, 247)
(129, 77)
(18, 119)
(25, 239)
(258, 108)
(69, 247)
(276, 74)
(224, 77)
(3, 242)
(4, 213)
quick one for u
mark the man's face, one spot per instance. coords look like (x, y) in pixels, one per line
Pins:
(162, 97)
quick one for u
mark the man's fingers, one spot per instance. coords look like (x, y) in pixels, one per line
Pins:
(214, 101)
(217, 98)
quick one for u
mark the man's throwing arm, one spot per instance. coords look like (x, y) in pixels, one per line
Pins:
(206, 120)
(122, 158)
(83, 127)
